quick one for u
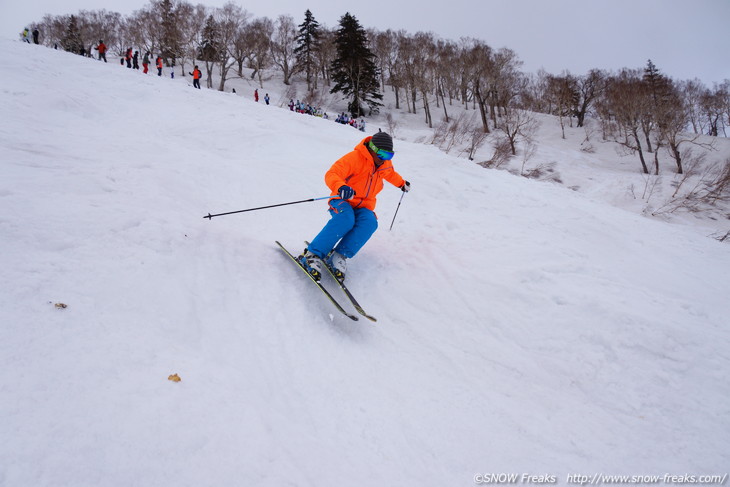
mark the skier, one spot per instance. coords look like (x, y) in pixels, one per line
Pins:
(266, 98)
(146, 62)
(355, 180)
(102, 50)
(196, 74)
(35, 35)
(135, 60)
(128, 58)
(158, 62)
(256, 95)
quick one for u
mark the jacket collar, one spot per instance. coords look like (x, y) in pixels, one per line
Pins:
(362, 149)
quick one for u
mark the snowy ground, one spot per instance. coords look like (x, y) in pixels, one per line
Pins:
(522, 327)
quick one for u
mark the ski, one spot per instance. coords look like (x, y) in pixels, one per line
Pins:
(347, 292)
(349, 295)
(319, 285)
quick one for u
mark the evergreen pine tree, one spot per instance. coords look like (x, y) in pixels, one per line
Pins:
(210, 49)
(210, 45)
(307, 46)
(659, 86)
(354, 70)
(170, 35)
(71, 41)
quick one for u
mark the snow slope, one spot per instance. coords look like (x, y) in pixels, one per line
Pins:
(523, 328)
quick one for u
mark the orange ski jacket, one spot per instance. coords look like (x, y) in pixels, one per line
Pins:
(357, 170)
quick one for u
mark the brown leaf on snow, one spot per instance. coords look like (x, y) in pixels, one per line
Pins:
(60, 306)
(174, 378)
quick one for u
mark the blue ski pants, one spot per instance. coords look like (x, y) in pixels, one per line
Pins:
(351, 227)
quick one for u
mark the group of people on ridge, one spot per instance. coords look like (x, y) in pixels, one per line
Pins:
(26, 35)
(131, 58)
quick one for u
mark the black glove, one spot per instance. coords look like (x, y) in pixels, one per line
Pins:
(346, 192)
(406, 187)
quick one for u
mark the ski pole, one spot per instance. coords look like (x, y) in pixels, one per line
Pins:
(209, 216)
(396, 210)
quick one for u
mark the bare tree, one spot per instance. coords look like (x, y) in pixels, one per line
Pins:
(53, 28)
(691, 91)
(392, 124)
(424, 74)
(564, 96)
(283, 44)
(409, 69)
(724, 95)
(445, 78)
(700, 190)
(396, 71)
(505, 81)
(627, 101)
(191, 21)
(258, 35)
(231, 19)
(535, 95)
(325, 54)
(478, 66)
(590, 87)
(142, 29)
(167, 30)
(712, 105)
(518, 124)
(502, 153)
(96, 25)
(384, 47)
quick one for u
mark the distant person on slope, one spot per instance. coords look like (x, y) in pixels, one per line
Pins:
(158, 62)
(355, 180)
(146, 62)
(35, 35)
(102, 50)
(196, 74)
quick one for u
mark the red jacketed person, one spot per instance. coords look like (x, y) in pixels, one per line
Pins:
(196, 74)
(102, 50)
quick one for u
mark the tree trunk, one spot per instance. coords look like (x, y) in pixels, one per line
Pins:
(482, 108)
(443, 102)
(648, 143)
(677, 157)
(635, 134)
(427, 109)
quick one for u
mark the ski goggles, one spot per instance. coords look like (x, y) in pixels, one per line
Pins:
(382, 154)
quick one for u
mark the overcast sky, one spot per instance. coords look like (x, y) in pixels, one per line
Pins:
(685, 38)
